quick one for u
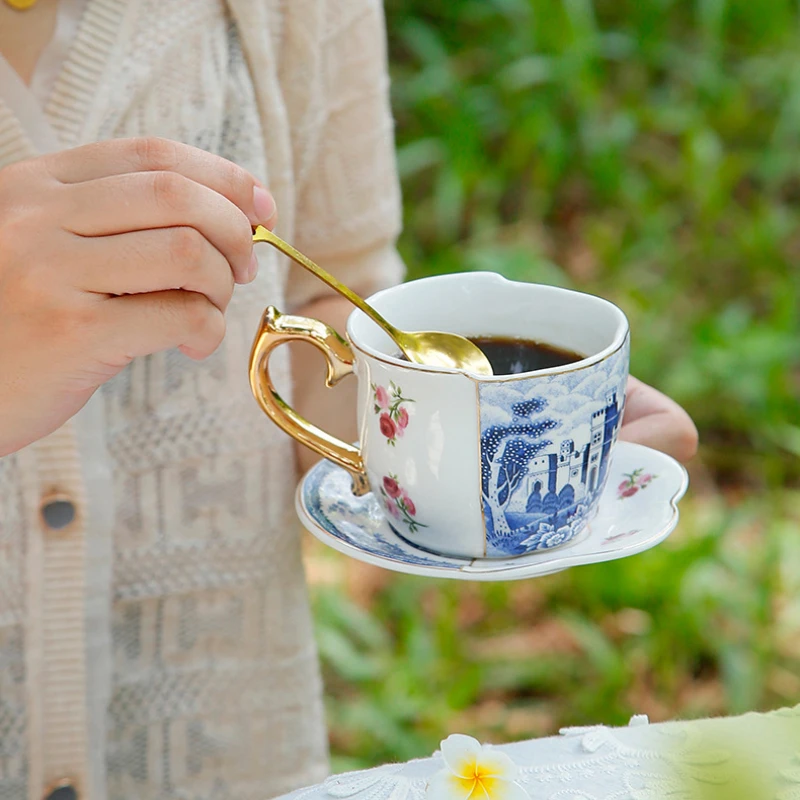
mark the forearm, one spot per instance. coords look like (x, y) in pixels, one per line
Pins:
(333, 410)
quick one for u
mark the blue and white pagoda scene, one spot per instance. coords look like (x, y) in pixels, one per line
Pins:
(544, 462)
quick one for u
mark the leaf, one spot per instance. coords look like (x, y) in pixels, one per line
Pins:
(338, 651)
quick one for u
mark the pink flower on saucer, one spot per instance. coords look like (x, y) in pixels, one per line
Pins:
(634, 481)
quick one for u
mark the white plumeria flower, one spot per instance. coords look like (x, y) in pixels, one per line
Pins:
(474, 772)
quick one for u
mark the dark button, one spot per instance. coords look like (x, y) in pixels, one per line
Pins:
(65, 792)
(57, 515)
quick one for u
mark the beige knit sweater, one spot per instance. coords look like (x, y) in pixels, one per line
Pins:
(160, 645)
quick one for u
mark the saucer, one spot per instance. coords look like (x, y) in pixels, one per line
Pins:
(638, 510)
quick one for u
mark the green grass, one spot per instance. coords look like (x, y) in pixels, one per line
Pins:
(647, 151)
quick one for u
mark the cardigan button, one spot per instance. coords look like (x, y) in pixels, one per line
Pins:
(58, 513)
(64, 791)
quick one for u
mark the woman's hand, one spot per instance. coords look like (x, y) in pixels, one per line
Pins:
(652, 419)
(109, 252)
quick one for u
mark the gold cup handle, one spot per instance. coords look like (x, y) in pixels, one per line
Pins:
(277, 329)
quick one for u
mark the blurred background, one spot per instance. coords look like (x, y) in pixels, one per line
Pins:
(647, 151)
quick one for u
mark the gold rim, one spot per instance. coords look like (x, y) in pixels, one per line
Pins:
(525, 376)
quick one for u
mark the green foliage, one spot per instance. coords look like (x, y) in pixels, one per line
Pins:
(647, 151)
(702, 625)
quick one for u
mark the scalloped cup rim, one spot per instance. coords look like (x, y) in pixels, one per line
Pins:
(621, 334)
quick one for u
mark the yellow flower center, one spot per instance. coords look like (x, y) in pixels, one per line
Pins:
(479, 784)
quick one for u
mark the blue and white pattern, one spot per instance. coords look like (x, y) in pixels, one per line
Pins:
(357, 526)
(360, 521)
(544, 462)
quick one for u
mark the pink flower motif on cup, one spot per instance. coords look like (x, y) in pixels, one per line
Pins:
(381, 397)
(402, 419)
(391, 487)
(409, 504)
(399, 504)
(634, 482)
(393, 417)
(387, 426)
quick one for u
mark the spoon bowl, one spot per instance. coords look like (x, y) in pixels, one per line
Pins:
(429, 348)
(447, 350)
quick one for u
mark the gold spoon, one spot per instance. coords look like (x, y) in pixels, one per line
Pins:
(431, 348)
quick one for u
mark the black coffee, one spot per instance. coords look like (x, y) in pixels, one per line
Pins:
(512, 356)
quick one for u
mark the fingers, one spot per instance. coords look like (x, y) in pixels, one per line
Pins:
(142, 324)
(154, 261)
(150, 200)
(125, 156)
(660, 432)
(654, 420)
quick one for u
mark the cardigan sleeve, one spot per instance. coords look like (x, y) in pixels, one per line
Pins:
(348, 212)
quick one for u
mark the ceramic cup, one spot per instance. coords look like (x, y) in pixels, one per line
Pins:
(466, 465)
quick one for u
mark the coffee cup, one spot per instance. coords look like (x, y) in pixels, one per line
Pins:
(468, 465)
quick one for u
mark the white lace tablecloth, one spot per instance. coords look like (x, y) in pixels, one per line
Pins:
(750, 757)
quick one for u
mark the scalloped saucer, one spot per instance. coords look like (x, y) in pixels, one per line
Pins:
(638, 510)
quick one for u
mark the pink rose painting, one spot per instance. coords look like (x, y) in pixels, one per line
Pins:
(399, 504)
(402, 421)
(391, 488)
(387, 426)
(381, 397)
(393, 416)
(634, 482)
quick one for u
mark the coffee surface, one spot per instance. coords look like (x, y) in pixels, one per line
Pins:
(513, 356)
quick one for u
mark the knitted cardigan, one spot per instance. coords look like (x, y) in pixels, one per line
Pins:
(160, 644)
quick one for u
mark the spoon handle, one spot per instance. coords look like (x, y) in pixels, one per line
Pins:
(262, 234)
